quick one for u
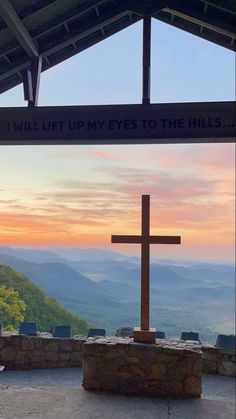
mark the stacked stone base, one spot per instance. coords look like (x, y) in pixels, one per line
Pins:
(162, 369)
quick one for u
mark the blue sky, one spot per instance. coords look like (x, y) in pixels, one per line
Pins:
(184, 68)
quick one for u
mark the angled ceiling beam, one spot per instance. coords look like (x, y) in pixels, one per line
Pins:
(220, 22)
(228, 6)
(54, 23)
(71, 14)
(212, 36)
(86, 28)
(17, 28)
(11, 69)
(201, 22)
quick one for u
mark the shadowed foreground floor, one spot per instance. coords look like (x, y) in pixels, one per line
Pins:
(58, 394)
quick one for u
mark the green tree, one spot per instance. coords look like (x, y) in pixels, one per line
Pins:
(11, 307)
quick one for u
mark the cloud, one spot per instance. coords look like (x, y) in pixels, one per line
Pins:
(161, 184)
(194, 156)
(104, 155)
(194, 200)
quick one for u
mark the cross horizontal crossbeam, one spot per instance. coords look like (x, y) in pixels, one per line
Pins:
(146, 239)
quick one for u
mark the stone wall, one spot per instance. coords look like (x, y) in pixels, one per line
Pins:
(218, 361)
(22, 352)
(18, 352)
(167, 368)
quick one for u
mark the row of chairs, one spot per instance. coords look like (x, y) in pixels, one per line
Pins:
(30, 329)
(64, 331)
(61, 331)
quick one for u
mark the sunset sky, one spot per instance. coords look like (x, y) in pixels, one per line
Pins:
(80, 195)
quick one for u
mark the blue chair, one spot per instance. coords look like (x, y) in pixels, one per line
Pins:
(61, 332)
(160, 335)
(190, 336)
(96, 332)
(226, 342)
(28, 329)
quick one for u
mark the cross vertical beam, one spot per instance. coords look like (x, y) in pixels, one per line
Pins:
(146, 59)
(145, 262)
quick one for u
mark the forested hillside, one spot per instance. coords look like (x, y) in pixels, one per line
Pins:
(40, 308)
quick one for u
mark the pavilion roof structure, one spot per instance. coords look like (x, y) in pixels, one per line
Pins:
(55, 30)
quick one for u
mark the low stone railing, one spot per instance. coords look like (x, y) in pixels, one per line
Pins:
(19, 352)
(218, 361)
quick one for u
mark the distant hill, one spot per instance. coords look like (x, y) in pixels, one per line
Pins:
(106, 292)
(76, 253)
(40, 308)
(33, 255)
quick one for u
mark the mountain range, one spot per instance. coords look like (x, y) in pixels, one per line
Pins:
(104, 288)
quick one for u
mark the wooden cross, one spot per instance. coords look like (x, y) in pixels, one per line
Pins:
(145, 240)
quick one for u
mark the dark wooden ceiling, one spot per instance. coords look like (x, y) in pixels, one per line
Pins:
(59, 29)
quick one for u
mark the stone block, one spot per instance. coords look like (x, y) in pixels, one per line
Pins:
(8, 354)
(226, 368)
(27, 343)
(197, 368)
(66, 345)
(52, 346)
(142, 368)
(133, 360)
(192, 386)
(63, 364)
(22, 357)
(89, 367)
(37, 343)
(37, 365)
(51, 356)
(145, 336)
(2, 342)
(159, 370)
(75, 364)
(64, 356)
(78, 345)
(37, 356)
(51, 364)
(76, 356)
(15, 341)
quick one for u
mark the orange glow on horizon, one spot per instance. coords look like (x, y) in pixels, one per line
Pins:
(72, 204)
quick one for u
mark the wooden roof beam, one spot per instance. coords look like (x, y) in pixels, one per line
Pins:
(17, 28)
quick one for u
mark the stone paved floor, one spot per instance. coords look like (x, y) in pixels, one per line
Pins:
(58, 394)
